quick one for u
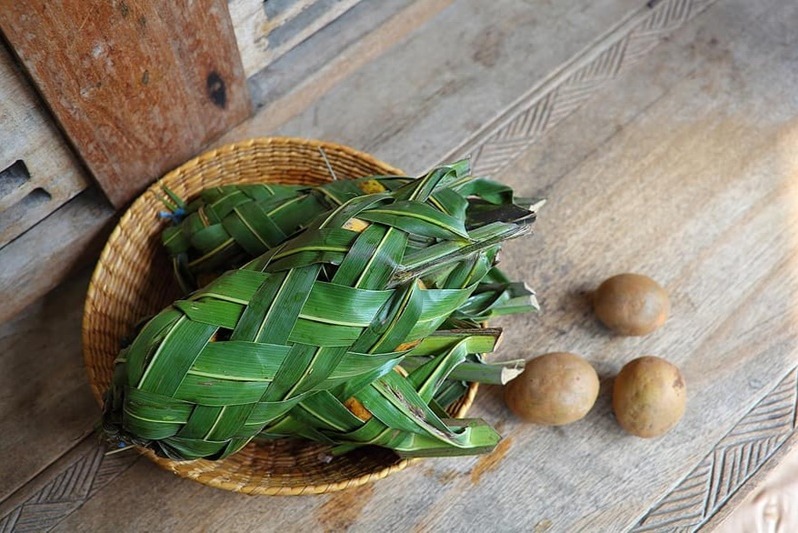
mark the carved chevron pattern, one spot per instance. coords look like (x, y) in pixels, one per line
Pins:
(498, 144)
(743, 450)
(68, 490)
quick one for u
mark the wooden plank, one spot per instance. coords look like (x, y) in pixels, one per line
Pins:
(341, 37)
(79, 473)
(722, 475)
(38, 173)
(431, 105)
(46, 406)
(52, 251)
(266, 31)
(765, 499)
(277, 111)
(139, 87)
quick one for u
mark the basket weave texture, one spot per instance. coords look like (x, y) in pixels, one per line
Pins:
(134, 279)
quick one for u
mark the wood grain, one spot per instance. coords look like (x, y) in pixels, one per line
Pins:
(681, 166)
(68, 240)
(500, 142)
(265, 33)
(72, 479)
(138, 87)
(370, 47)
(737, 457)
(46, 164)
(478, 61)
(44, 399)
(764, 501)
(342, 37)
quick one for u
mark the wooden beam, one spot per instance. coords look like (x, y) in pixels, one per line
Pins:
(53, 250)
(38, 172)
(138, 87)
(266, 31)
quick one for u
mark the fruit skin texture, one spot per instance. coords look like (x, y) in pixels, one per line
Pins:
(631, 304)
(649, 396)
(554, 389)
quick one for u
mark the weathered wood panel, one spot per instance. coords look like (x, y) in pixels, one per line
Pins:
(280, 106)
(139, 87)
(43, 392)
(266, 31)
(55, 249)
(350, 38)
(443, 85)
(37, 171)
(765, 501)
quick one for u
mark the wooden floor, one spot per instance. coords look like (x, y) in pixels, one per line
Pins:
(666, 139)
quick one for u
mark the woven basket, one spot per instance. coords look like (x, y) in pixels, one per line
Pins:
(133, 279)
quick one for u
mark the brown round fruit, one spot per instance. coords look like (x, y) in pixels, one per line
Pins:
(631, 304)
(649, 396)
(554, 389)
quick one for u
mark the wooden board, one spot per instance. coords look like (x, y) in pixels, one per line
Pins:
(431, 105)
(355, 38)
(64, 243)
(138, 87)
(43, 389)
(38, 173)
(266, 31)
(672, 153)
(283, 90)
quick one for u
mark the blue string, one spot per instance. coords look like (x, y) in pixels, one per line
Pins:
(175, 216)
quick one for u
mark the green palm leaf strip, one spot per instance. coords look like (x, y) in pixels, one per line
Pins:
(286, 345)
(228, 225)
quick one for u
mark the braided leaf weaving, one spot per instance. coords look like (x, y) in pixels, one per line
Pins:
(228, 225)
(337, 334)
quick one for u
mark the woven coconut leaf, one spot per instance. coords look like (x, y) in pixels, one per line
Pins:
(228, 225)
(290, 343)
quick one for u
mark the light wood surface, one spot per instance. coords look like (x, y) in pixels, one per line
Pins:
(666, 146)
(138, 87)
(58, 247)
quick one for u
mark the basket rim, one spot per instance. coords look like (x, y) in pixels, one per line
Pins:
(92, 296)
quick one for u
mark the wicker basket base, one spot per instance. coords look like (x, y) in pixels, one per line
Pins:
(133, 279)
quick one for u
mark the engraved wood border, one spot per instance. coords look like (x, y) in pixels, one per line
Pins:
(755, 438)
(75, 478)
(501, 141)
